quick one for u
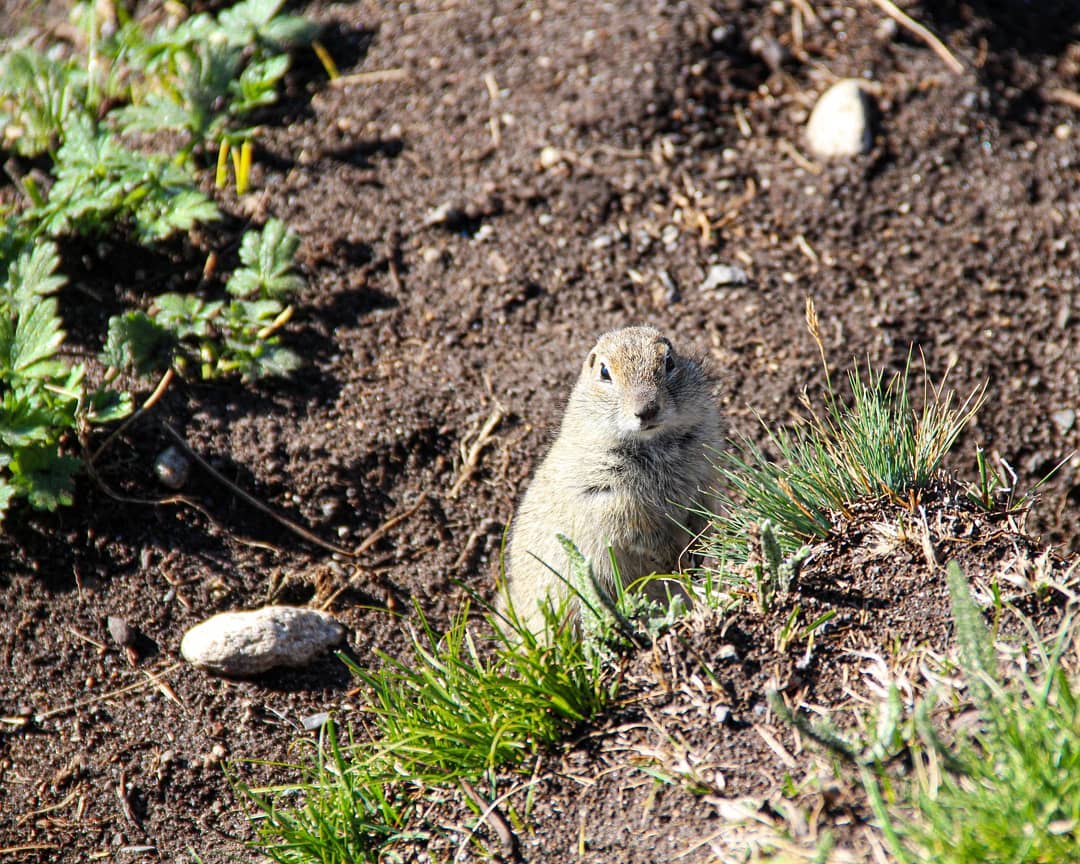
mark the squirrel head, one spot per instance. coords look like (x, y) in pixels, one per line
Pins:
(635, 384)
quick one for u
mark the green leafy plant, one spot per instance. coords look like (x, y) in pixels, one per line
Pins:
(101, 185)
(199, 78)
(40, 97)
(44, 402)
(219, 337)
(202, 76)
(773, 574)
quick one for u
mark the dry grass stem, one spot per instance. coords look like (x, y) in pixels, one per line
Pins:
(374, 77)
(470, 456)
(918, 30)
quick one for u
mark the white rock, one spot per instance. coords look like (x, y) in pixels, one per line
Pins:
(247, 643)
(839, 125)
(550, 157)
(720, 275)
(1064, 420)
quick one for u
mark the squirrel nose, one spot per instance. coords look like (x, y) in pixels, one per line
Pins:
(647, 413)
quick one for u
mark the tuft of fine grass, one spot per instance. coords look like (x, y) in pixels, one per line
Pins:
(875, 446)
(456, 709)
(335, 815)
(1008, 789)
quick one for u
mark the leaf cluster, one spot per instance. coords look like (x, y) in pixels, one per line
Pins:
(79, 111)
(218, 337)
(43, 400)
(201, 76)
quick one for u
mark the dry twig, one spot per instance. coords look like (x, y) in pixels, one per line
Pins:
(375, 535)
(1065, 97)
(150, 402)
(471, 457)
(493, 817)
(372, 77)
(297, 529)
(151, 679)
(912, 26)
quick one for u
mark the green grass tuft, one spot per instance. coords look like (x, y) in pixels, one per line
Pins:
(456, 710)
(1012, 791)
(876, 446)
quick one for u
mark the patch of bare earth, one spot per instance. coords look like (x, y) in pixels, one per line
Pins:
(455, 274)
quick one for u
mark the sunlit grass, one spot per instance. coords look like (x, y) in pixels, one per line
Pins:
(875, 446)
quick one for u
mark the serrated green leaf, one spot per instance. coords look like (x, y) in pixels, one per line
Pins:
(242, 20)
(268, 257)
(186, 314)
(106, 406)
(45, 477)
(273, 361)
(158, 112)
(287, 30)
(136, 341)
(31, 277)
(23, 423)
(38, 335)
(254, 313)
(243, 283)
(173, 211)
(257, 84)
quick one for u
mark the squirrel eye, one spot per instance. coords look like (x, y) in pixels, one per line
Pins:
(604, 374)
(669, 363)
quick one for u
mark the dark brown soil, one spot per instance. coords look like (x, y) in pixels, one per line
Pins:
(451, 273)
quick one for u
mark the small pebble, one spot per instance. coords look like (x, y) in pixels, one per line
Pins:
(666, 292)
(720, 275)
(839, 125)
(120, 631)
(315, 721)
(172, 468)
(550, 157)
(727, 652)
(250, 642)
(770, 50)
(720, 34)
(1064, 420)
(446, 214)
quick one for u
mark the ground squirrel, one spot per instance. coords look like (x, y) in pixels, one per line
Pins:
(631, 456)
